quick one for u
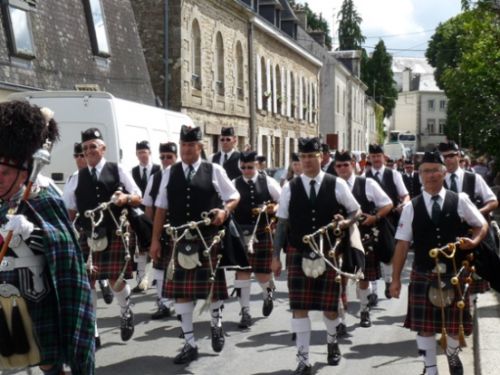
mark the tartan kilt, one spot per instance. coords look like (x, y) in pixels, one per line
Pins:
(307, 293)
(134, 244)
(108, 263)
(261, 259)
(166, 253)
(423, 316)
(194, 284)
(372, 266)
(479, 285)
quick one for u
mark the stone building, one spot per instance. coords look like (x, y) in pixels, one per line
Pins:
(72, 44)
(234, 63)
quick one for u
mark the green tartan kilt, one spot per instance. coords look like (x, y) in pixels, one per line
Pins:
(108, 264)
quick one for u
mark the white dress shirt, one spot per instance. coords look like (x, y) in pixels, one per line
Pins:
(481, 189)
(374, 193)
(396, 177)
(272, 185)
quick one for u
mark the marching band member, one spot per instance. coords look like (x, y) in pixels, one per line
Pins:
(255, 190)
(188, 189)
(434, 219)
(228, 156)
(46, 316)
(375, 205)
(97, 184)
(307, 203)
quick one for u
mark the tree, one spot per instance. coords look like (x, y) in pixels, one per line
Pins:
(350, 36)
(315, 22)
(464, 50)
(378, 76)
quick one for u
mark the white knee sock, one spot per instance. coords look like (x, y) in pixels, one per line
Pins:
(387, 272)
(185, 310)
(123, 297)
(363, 298)
(159, 277)
(244, 287)
(302, 328)
(427, 349)
(94, 306)
(452, 346)
(216, 313)
(373, 287)
(331, 329)
(142, 260)
(265, 286)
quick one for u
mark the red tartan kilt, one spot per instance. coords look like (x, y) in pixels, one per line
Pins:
(372, 266)
(307, 293)
(166, 253)
(194, 284)
(423, 316)
(108, 264)
(479, 286)
(261, 259)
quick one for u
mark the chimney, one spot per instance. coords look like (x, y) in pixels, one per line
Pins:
(302, 17)
(406, 80)
(319, 36)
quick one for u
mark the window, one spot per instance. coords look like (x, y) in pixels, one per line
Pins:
(442, 123)
(196, 55)
(304, 99)
(338, 99)
(239, 71)
(431, 124)
(97, 28)
(17, 17)
(430, 105)
(442, 105)
(219, 64)
(266, 93)
(292, 94)
(279, 94)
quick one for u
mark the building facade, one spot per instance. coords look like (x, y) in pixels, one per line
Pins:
(234, 63)
(72, 44)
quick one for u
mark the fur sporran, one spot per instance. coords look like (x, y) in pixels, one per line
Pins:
(188, 255)
(99, 241)
(313, 265)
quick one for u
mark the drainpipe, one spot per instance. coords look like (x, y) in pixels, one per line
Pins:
(251, 86)
(165, 52)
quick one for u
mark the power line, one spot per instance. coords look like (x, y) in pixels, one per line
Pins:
(402, 34)
(399, 49)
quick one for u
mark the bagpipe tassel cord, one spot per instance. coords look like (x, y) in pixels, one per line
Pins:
(6, 348)
(442, 341)
(20, 339)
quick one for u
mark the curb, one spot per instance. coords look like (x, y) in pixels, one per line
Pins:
(486, 333)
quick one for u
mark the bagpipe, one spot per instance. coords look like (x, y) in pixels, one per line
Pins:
(269, 221)
(378, 238)
(188, 252)
(98, 242)
(443, 294)
(314, 264)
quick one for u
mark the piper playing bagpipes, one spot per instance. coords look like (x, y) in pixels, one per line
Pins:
(308, 203)
(434, 219)
(46, 316)
(105, 250)
(187, 189)
(258, 204)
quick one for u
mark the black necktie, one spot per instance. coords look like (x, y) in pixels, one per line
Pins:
(436, 210)
(225, 158)
(190, 174)
(93, 174)
(144, 178)
(377, 174)
(453, 183)
(312, 193)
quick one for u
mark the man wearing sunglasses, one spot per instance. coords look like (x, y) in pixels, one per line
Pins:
(255, 189)
(141, 174)
(168, 156)
(375, 205)
(327, 164)
(479, 192)
(308, 203)
(98, 183)
(228, 156)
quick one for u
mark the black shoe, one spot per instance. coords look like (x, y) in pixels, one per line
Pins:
(246, 319)
(187, 355)
(365, 319)
(268, 305)
(455, 364)
(372, 300)
(97, 342)
(107, 294)
(141, 287)
(218, 339)
(162, 312)
(341, 330)
(387, 292)
(303, 369)
(127, 325)
(334, 356)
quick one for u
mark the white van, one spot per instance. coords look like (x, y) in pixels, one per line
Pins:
(396, 150)
(122, 123)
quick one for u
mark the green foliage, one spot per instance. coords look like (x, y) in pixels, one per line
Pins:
(350, 36)
(379, 123)
(315, 22)
(465, 52)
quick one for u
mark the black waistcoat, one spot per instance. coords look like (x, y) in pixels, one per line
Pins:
(155, 187)
(387, 184)
(89, 195)
(426, 235)
(250, 198)
(186, 201)
(331, 169)
(305, 218)
(137, 173)
(359, 192)
(412, 184)
(231, 165)
(469, 188)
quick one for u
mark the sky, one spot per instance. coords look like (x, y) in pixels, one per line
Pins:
(402, 24)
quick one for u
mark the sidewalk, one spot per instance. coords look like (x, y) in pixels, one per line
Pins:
(487, 334)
